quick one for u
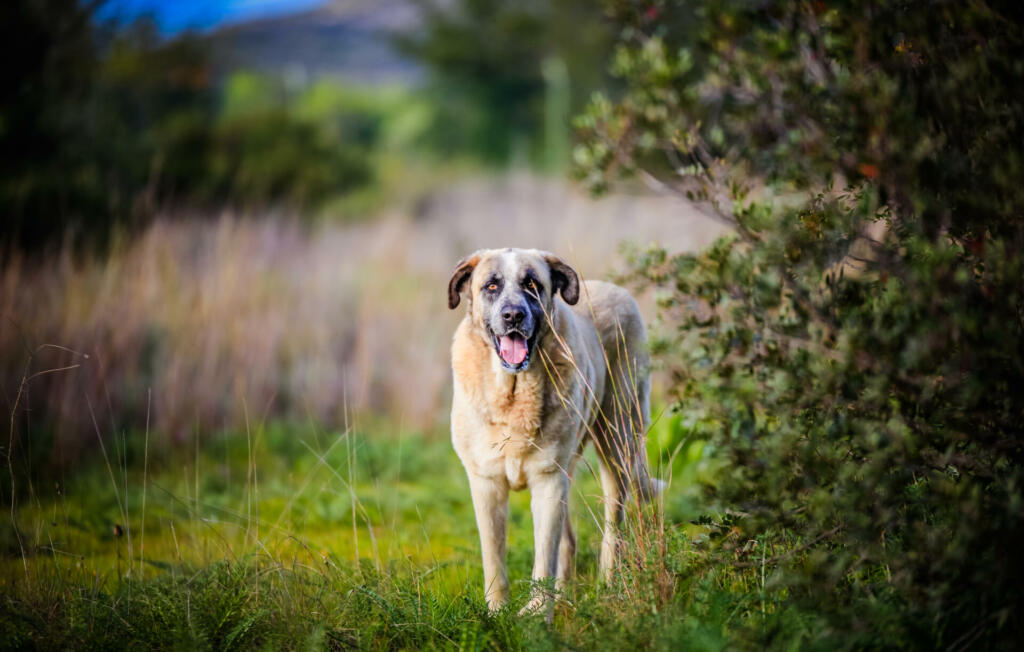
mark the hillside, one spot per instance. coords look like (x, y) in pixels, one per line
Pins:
(351, 39)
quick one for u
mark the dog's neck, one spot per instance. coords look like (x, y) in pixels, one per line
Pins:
(514, 401)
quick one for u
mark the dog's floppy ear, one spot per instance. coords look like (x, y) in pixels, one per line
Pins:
(463, 270)
(564, 279)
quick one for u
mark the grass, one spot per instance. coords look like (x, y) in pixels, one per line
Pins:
(182, 475)
(298, 538)
(281, 317)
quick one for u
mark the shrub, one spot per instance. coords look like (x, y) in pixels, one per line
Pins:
(854, 352)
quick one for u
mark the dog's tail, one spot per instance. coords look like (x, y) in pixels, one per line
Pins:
(647, 487)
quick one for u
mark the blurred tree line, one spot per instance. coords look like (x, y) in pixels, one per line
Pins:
(854, 354)
(104, 123)
(507, 76)
(101, 124)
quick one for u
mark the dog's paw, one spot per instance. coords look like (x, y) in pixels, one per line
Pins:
(538, 605)
(497, 601)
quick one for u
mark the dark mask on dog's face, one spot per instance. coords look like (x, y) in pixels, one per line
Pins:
(511, 292)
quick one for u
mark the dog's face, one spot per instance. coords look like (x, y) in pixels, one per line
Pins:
(510, 291)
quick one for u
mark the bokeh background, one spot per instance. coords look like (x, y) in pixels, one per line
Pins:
(215, 208)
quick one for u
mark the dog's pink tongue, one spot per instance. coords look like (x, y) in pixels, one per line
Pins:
(513, 348)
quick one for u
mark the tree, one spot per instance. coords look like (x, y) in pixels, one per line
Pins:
(854, 352)
(495, 63)
(102, 124)
(46, 80)
(93, 116)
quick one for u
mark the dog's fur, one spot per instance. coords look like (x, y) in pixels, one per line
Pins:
(519, 424)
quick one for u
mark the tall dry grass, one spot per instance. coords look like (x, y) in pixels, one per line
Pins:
(199, 324)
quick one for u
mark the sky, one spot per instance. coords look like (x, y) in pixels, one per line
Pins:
(174, 16)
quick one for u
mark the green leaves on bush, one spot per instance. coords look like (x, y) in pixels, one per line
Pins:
(854, 353)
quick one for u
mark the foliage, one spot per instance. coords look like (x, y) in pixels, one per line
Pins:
(40, 114)
(499, 68)
(854, 353)
(266, 150)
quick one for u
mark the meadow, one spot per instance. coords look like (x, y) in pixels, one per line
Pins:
(224, 336)
(289, 537)
(233, 434)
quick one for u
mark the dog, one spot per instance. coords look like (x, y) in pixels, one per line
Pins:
(542, 364)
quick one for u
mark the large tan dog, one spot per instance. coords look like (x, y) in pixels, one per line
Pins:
(536, 377)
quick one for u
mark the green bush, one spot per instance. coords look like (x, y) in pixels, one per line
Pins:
(270, 157)
(854, 353)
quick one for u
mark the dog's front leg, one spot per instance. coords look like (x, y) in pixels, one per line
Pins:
(550, 491)
(490, 502)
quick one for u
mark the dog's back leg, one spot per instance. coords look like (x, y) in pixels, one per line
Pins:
(626, 407)
(619, 438)
(614, 470)
(566, 552)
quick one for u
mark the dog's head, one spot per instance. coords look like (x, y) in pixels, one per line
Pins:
(509, 292)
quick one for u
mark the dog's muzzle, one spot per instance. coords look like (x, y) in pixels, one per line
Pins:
(515, 342)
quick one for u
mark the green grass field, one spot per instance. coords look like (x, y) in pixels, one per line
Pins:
(294, 537)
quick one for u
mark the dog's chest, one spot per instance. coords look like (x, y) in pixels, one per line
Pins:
(516, 418)
(516, 402)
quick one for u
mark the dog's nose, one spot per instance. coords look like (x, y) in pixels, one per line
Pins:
(513, 316)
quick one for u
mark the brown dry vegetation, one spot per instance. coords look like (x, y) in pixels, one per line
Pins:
(220, 321)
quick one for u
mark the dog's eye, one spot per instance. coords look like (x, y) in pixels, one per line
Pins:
(530, 284)
(493, 287)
